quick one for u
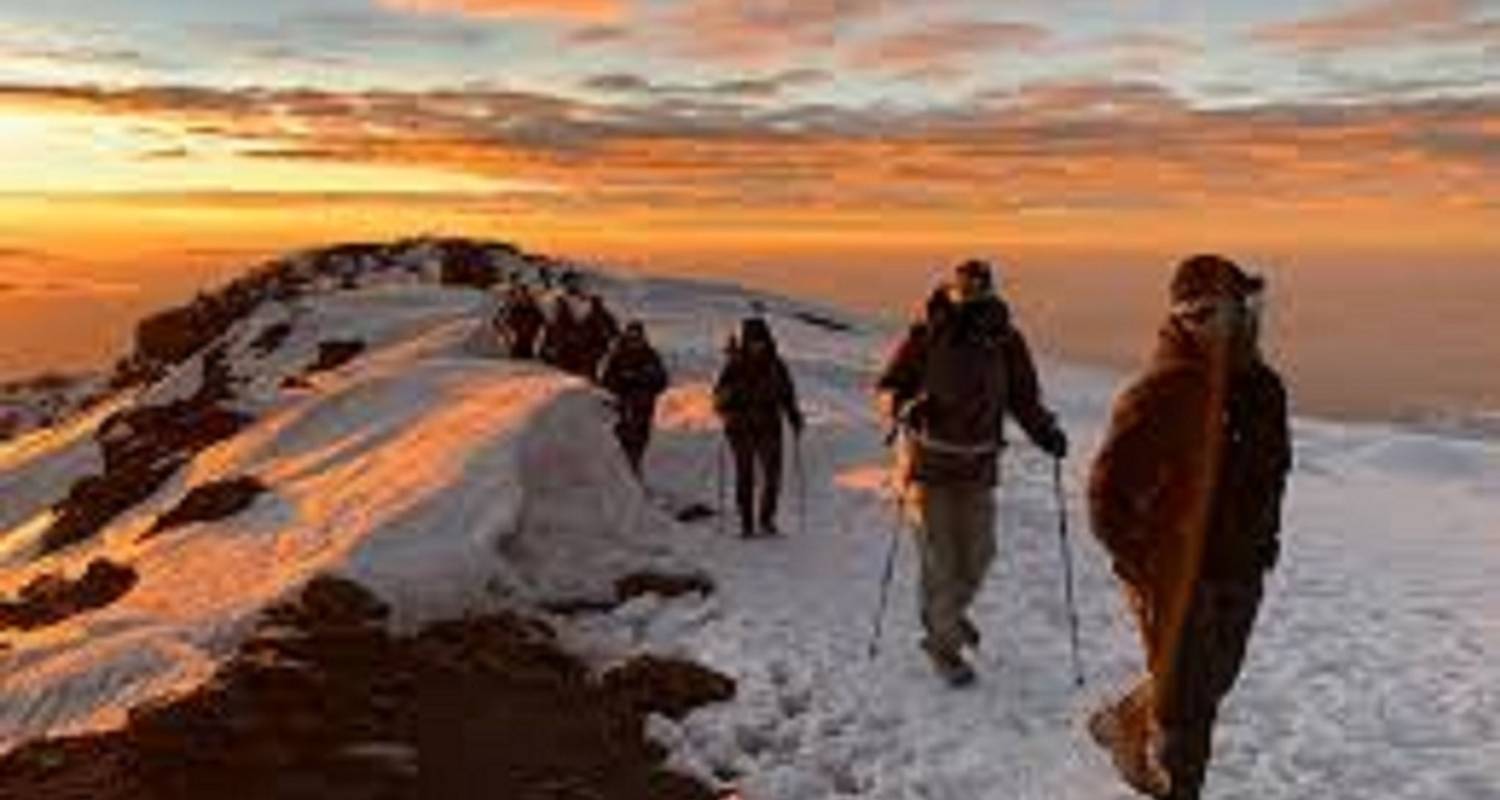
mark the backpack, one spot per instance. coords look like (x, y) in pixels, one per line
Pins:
(962, 391)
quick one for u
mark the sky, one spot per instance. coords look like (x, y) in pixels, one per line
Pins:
(160, 142)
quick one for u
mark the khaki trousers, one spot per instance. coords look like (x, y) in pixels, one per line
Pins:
(956, 536)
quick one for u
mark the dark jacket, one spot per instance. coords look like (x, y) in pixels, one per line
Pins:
(633, 371)
(597, 331)
(1188, 483)
(955, 376)
(754, 391)
(523, 319)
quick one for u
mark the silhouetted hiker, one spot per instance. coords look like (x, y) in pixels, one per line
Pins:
(564, 340)
(950, 383)
(754, 390)
(633, 372)
(1186, 497)
(599, 330)
(522, 320)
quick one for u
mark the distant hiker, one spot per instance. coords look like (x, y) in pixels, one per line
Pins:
(522, 320)
(1186, 496)
(599, 330)
(949, 385)
(633, 372)
(753, 392)
(564, 340)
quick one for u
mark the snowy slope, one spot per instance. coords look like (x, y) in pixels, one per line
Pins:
(448, 482)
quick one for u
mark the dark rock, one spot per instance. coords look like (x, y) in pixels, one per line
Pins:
(640, 583)
(142, 449)
(822, 321)
(694, 512)
(672, 688)
(336, 353)
(270, 339)
(94, 501)
(50, 599)
(209, 502)
(310, 710)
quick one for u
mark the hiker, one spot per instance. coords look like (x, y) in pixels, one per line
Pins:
(633, 372)
(948, 387)
(564, 342)
(753, 392)
(598, 331)
(1186, 495)
(522, 320)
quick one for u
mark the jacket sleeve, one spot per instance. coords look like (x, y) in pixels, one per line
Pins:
(787, 392)
(1024, 391)
(656, 374)
(726, 389)
(1129, 480)
(1278, 460)
(902, 374)
(609, 370)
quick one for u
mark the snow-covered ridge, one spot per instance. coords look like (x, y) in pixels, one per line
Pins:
(449, 482)
(446, 483)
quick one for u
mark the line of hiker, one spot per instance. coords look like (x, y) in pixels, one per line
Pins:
(1184, 494)
(581, 336)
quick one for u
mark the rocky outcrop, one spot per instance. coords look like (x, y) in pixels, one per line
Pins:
(324, 703)
(209, 502)
(142, 449)
(51, 598)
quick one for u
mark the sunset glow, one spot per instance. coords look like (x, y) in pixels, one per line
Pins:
(706, 127)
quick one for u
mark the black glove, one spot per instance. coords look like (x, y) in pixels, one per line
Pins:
(1054, 442)
(796, 420)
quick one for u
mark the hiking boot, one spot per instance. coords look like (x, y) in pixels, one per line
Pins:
(1130, 752)
(969, 633)
(950, 665)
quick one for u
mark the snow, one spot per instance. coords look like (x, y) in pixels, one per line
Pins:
(446, 484)
(450, 483)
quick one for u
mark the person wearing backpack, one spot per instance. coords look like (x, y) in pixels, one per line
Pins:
(950, 384)
(633, 372)
(753, 392)
(522, 320)
(1185, 495)
(597, 332)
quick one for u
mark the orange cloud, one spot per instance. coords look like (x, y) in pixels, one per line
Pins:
(762, 31)
(1377, 23)
(588, 10)
(942, 48)
(1067, 160)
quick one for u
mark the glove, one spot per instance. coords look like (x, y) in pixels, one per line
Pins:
(796, 420)
(1054, 442)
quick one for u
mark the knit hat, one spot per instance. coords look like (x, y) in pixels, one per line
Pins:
(1206, 277)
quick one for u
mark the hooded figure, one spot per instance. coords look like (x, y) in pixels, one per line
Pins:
(1185, 495)
(598, 331)
(950, 384)
(522, 320)
(753, 392)
(633, 372)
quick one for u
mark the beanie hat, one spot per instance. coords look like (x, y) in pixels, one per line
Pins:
(1207, 277)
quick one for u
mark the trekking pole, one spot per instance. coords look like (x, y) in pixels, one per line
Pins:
(885, 578)
(801, 486)
(1067, 555)
(719, 489)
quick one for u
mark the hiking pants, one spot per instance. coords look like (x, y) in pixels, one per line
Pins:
(1180, 698)
(956, 535)
(752, 445)
(633, 428)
